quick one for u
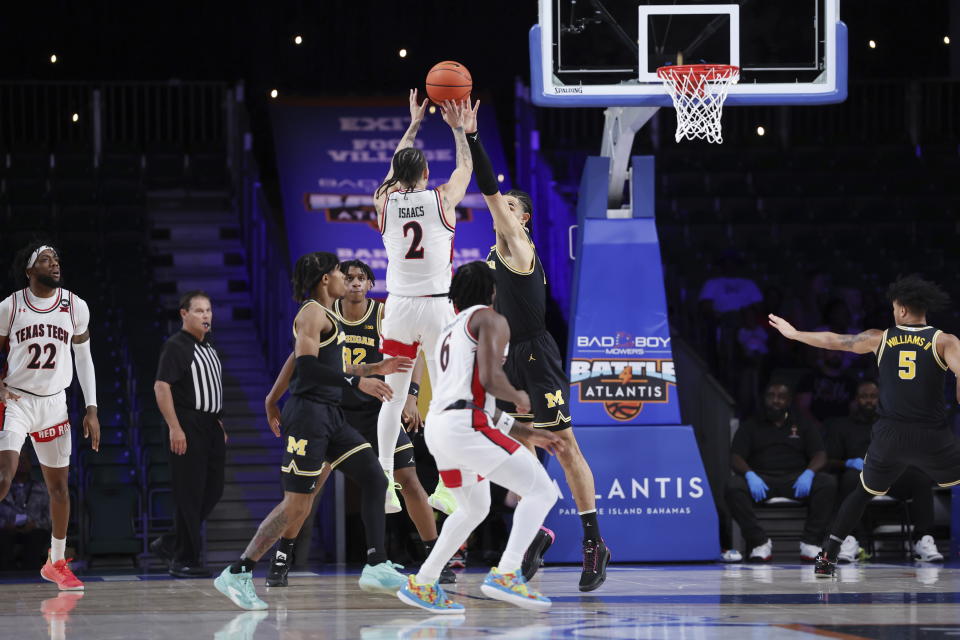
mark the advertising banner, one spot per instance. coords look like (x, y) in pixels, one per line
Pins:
(332, 156)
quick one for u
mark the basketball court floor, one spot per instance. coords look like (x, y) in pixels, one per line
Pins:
(652, 602)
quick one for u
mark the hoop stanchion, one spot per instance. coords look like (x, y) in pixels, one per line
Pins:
(698, 92)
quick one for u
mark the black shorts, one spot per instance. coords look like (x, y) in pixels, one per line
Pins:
(896, 445)
(314, 433)
(365, 422)
(535, 366)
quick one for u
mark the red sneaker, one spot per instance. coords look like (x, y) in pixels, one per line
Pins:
(60, 573)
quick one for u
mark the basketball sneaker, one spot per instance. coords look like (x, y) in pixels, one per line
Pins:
(731, 556)
(392, 503)
(533, 558)
(925, 550)
(431, 597)
(824, 567)
(761, 553)
(447, 576)
(442, 499)
(849, 549)
(59, 573)
(512, 588)
(809, 552)
(277, 577)
(596, 556)
(239, 588)
(382, 578)
(459, 559)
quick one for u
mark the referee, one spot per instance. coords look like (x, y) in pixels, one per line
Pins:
(189, 390)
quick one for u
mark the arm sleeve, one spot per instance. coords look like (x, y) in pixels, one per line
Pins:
(81, 316)
(320, 375)
(86, 375)
(6, 310)
(174, 362)
(483, 169)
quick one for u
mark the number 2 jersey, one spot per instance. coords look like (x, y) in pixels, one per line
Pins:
(419, 244)
(40, 333)
(912, 375)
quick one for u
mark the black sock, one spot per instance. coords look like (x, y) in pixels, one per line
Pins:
(285, 547)
(243, 564)
(591, 530)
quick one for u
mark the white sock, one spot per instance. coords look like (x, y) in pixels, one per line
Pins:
(389, 421)
(57, 549)
(473, 505)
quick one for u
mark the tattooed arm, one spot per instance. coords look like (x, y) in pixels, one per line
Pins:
(455, 115)
(863, 342)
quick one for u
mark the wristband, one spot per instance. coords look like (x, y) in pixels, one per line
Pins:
(414, 390)
(505, 422)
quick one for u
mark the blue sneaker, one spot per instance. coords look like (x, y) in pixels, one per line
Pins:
(239, 588)
(382, 578)
(430, 596)
(512, 588)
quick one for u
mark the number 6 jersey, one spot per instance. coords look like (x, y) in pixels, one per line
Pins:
(419, 244)
(40, 333)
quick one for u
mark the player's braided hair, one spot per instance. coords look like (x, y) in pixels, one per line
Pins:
(359, 264)
(523, 198)
(917, 295)
(308, 271)
(472, 284)
(408, 165)
(18, 268)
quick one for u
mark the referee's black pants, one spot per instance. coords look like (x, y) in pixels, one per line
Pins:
(197, 478)
(819, 504)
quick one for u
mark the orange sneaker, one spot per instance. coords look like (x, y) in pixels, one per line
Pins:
(60, 573)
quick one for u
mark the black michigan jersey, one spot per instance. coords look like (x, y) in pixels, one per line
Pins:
(912, 375)
(521, 296)
(361, 345)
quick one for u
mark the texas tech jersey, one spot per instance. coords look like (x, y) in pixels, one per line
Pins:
(40, 333)
(459, 370)
(419, 243)
(912, 375)
(361, 345)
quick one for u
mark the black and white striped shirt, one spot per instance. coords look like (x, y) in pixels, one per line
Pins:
(192, 369)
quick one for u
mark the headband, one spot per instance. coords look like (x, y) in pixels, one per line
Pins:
(36, 254)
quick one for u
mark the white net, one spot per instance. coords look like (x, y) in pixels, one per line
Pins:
(698, 92)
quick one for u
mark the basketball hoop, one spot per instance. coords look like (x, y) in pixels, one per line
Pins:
(698, 92)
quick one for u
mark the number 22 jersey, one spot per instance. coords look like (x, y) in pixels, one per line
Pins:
(40, 333)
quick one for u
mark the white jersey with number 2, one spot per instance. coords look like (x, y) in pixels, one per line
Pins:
(419, 243)
(40, 333)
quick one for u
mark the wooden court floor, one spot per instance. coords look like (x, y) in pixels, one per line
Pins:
(895, 601)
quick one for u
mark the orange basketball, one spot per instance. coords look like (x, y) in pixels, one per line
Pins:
(449, 80)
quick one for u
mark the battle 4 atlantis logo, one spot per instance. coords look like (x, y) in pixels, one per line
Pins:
(624, 386)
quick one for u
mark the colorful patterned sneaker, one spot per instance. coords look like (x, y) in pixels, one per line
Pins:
(430, 597)
(239, 588)
(442, 499)
(596, 557)
(392, 502)
(59, 572)
(512, 588)
(382, 578)
(533, 558)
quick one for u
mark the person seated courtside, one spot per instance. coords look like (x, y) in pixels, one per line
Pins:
(777, 454)
(847, 442)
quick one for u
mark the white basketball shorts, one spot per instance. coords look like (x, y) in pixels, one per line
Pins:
(412, 323)
(45, 420)
(465, 445)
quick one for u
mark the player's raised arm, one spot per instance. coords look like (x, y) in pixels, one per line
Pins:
(456, 115)
(417, 112)
(863, 342)
(507, 225)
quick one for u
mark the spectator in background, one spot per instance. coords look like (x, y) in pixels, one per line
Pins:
(828, 391)
(847, 442)
(778, 454)
(189, 391)
(24, 521)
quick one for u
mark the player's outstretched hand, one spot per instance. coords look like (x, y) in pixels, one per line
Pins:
(783, 327)
(522, 402)
(411, 417)
(91, 429)
(417, 109)
(376, 388)
(546, 440)
(393, 365)
(273, 418)
(470, 123)
(454, 113)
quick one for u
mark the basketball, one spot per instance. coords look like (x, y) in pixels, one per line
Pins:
(623, 411)
(449, 80)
